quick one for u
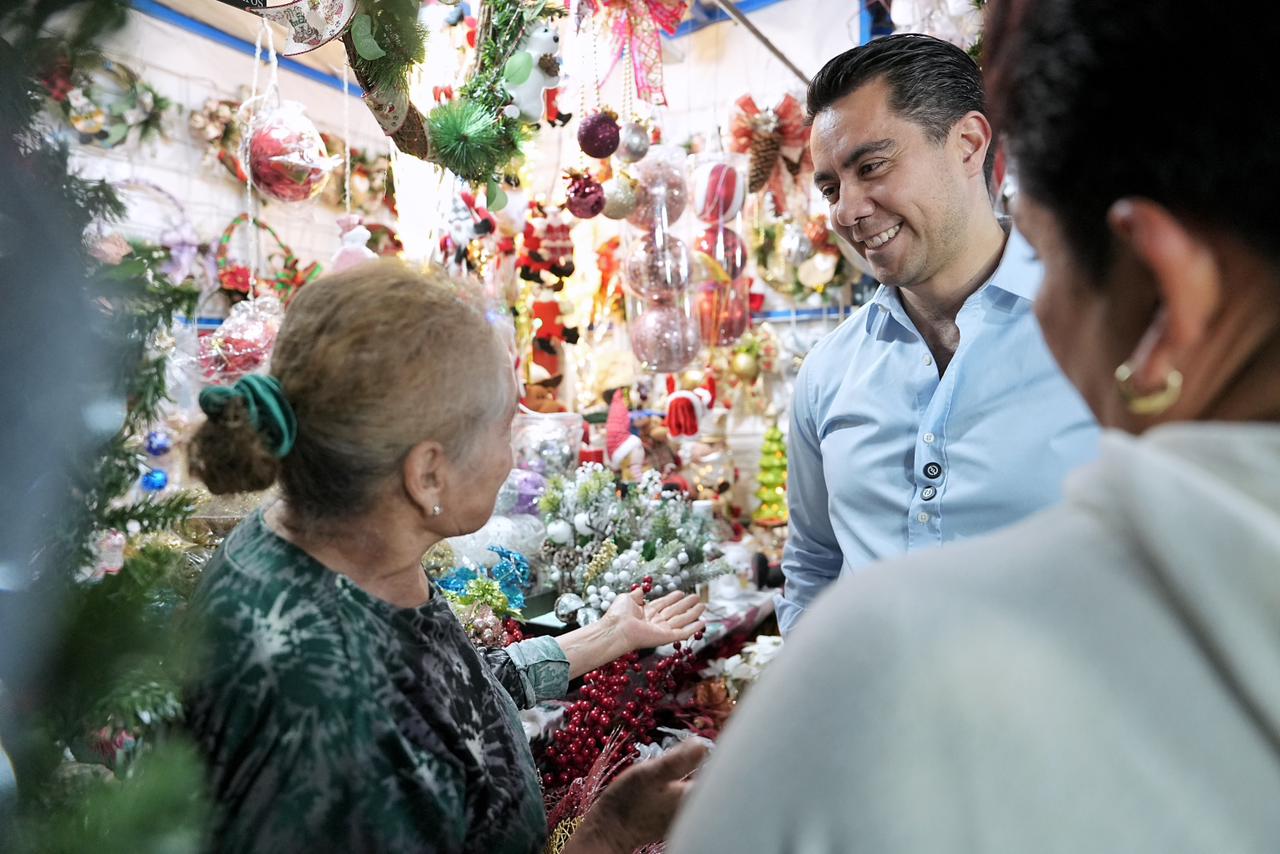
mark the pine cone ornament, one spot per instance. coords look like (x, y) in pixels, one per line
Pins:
(765, 147)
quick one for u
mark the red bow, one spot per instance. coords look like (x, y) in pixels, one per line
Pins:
(784, 123)
(633, 27)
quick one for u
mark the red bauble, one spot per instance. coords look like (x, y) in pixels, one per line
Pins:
(726, 247)
(598, 134)
(287, 156)
(585, 197)
(724, 311)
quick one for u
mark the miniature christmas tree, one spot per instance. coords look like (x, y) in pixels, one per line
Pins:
(773, 480)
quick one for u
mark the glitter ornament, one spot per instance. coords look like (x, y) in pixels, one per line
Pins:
(719, 190)
(662, 193)
(586, 197)
(568, 606)
(725, 247)
(620, 197)
(155, 480)
(657, 274)
(599, 134)
(287, 157)
(158, 443)
(796, 244)
(663, 337)
(633, 142)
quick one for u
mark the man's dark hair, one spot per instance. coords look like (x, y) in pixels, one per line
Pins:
(1102, 100)
(931, 82)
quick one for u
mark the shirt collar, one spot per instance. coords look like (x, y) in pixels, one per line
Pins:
(1018, 274)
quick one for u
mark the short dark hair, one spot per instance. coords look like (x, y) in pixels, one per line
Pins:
(931, 82)
(1101, 100)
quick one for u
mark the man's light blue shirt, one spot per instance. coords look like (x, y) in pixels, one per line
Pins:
(886, 457)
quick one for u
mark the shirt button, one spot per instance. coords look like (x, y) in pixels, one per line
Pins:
(922, 518)
(933, 471)
(928, 360)
(928, 438)
(928, 492)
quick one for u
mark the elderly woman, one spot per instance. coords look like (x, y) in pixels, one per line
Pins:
(342, 706)
(1106, 675)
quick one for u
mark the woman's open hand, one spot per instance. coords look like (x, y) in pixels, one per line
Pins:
(640, 624)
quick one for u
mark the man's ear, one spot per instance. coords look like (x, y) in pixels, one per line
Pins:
(974, 136)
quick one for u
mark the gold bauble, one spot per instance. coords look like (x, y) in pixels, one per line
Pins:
(745, 367)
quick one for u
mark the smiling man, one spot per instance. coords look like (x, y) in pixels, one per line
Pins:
(934, 413)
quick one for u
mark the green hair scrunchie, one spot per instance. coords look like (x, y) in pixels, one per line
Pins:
(269, 410)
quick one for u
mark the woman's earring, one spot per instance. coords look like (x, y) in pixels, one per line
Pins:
(436, 511)
(1155, 403)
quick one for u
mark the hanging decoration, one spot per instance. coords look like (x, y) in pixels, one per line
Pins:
(777, 141)
(531, 70)
(633, 142)
(104, 101)
(621, 195)
(215, 124)
(585, 195)
(472, 134)
(800, 258)
(308, 24)
(634, 28)
(242, 344)
(370, 183)
(237, 279)
(598, 134)
(287, 157)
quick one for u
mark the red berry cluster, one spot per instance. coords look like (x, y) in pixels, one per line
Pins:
(511, 631)
(610, 700)
(646, 584)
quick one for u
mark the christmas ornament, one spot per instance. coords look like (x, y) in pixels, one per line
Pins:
(310, 24)
(725, 247)
(663, 337)
(633, 142)
(777, 141)
(155, 480)
(235, 278)
(620, 197)
(520, 493)
(242, 344)
(585, 196)
(598, 135)
(662, 194)
(158, 443)
(104, 101)
(724, 311)
(287, 157)
(719, 189)
(687, 407)
(355, 244)
(215, 124)
(796, 245)
(568, 606)
(657, 271)
(547, 443)
(745, 366)
(773, 480)
(532, 69)
(560, 532)
(109, 554)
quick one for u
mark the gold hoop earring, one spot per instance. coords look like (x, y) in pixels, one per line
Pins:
(1155, 403)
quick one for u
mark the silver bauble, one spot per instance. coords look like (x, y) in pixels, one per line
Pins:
(633, 143)
(619, 198)
(567, 606)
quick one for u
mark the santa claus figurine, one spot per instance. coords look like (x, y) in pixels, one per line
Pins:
(688, 406)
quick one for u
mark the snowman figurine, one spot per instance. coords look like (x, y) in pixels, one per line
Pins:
(532, 69)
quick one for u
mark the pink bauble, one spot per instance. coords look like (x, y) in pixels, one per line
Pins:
(663, 338)
(598, 135)
(586, 197)
(287, 157)
(657, 271)
(661, 196)
(718, 192)
(726, 247)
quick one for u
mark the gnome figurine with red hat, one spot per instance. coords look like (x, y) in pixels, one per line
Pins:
(624, 452)
(687, 407)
